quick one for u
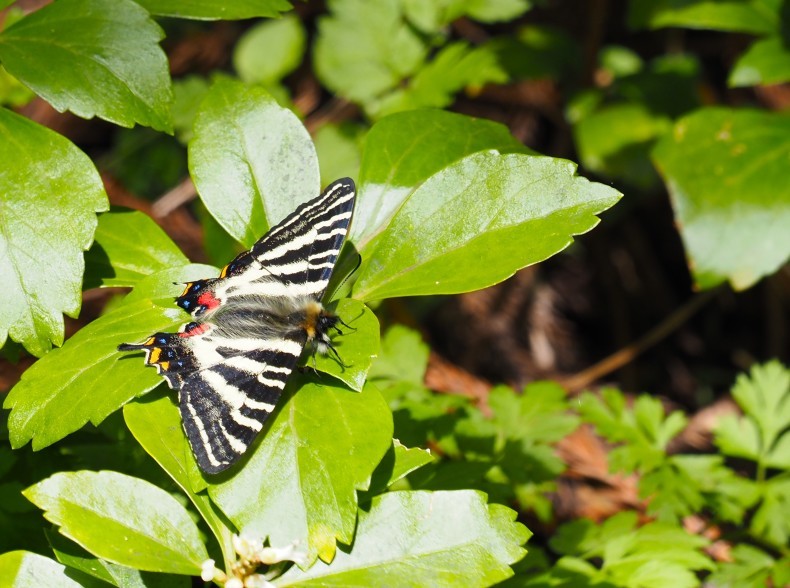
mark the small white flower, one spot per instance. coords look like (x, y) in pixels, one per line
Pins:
(207, 570)
(271, 555)
(234, 583)
(257, 581)
(247, 547)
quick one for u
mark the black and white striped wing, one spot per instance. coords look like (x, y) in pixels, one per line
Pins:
(231, 364)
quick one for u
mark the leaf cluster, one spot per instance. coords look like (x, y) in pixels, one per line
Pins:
(340, 468)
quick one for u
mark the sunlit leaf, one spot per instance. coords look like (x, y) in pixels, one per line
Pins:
(49, 195)
(477, 222)
(300, 482)
(75, 54)
(23, 569)
(726, 170)
(128, 246)
(88, 378)
(122, 519)
(252, 160)
(424, 539)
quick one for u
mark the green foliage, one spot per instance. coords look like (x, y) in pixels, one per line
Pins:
(57, 48)
(127, 247)
(270, 51)
(339, 490)
(424, 538)
(763, 436)
(49, 167)
(388, 66)
(651, 556)
(742, 150)
(209, 10)
(96, 509)
(252, 161)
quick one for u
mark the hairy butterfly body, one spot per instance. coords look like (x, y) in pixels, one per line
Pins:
(231, 363)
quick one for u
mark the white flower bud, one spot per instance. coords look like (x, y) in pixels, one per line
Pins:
(207, 570)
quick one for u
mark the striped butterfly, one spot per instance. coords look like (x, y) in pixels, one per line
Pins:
(230, 364)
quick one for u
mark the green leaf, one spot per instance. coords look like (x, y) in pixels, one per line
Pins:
(301, 481)
(22, 569)
(432, 17)
(188, 93)
(128, 245)
(76, 55)
(403, 356)
(643, 430)
(747, 16)
(252, 160)
(403, 150)
(655, 555)
(766, 62)
(88, 378)
(357, 346)
(770, 520)
(13, 93)
(156, 424)
(733, 217)
(478, 221)
(211, 10)
(762, 434)
(271, 50)
(339, 150)
(749, 567)
(454, 68)
(77, 559)
(540, 414)
(122, 519)
(397, 463)
(615, 141)
(424, 539)
(382, 50)
(49, 194)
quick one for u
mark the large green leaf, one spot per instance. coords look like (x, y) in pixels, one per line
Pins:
(128, 246)
(478, 221)
(748, 16)
(122, 519)
(403, 150)
(78, 560)
(766, 62)
(94, 58)
(87, 379)
(424, 539)
(357, 346)
(726, 171)
(300, 483)
(212, 10)
(22, 569)
(252, 160)
(49, 194)
(365, 48)
(156, 424)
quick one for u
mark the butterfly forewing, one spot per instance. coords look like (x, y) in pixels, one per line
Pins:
(251, 324)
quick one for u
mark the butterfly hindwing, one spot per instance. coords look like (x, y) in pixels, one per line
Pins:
(251, 324)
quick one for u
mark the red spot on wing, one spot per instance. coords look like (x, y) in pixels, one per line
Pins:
(207, 299)
(196, 330)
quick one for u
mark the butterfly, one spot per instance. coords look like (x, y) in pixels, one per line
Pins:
(250, 325)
